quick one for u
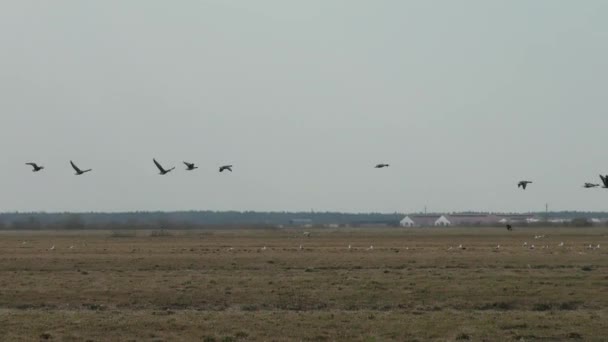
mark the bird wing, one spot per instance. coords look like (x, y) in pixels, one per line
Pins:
(75, 167)
(32, 165)
(158, 165)
(188, 164)
(604, 180)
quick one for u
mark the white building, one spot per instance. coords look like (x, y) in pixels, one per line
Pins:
(425, 221)
(407, 222)
(443, 222)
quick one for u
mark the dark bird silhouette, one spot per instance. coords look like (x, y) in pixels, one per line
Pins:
(605, 181)
(79, 171)
(226, 167)
(509, 227)
(523, 184)
(590, 185)
(380, 166)
(190, 166)
(35, 167)
(161, 169)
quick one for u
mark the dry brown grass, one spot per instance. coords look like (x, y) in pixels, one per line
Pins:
(220, 286)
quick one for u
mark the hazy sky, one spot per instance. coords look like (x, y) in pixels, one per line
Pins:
(462, 98)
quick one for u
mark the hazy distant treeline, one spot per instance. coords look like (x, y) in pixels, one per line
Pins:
(203, 219)
(184, 219)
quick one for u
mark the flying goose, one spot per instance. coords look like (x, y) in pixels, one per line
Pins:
(190, 166)
(160, 168)
(79, 171)
(380, 166)
(226, 167)
(605, 181)
(523, 184)
(35, 167)
(590, 185)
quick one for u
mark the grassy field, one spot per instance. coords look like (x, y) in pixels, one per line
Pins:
(225, 286)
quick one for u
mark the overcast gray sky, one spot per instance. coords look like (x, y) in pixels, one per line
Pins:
(462, 98)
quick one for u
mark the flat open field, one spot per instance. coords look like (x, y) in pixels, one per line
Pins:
(224, 286)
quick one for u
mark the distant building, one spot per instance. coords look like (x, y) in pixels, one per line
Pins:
(407, 222)
(443, 222)
(516, 219)
(306, 223)
(448, 220)
(419, 220)
(473, 219)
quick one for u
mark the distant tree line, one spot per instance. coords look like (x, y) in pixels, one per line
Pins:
(184, 219)
(228, 219)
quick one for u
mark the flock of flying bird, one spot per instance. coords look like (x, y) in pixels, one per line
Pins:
(524, 184)
(191, 167)
(161, 169)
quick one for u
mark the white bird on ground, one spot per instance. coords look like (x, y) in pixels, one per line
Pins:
(525, 244)
(449, 249)
(52, 248)
(561, 244)
(72, 247)
(460, 246)
(349, 247)
(264, 248)
(371, 248)
(532, 247)
(307, 234)
(498, 247)
(589, 247)
(598, 246)
(301, 247)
